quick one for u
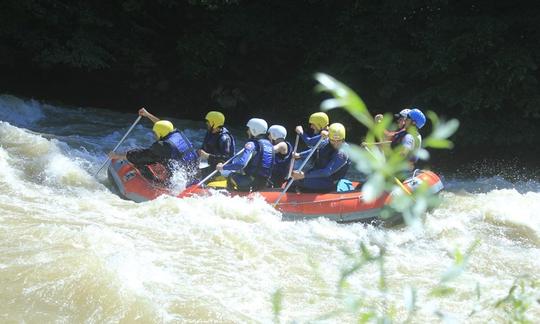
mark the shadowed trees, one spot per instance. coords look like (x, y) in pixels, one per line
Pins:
(477, 61)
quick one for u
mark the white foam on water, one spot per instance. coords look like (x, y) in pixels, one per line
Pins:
(20, 112)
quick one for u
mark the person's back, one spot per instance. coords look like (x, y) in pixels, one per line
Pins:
(261, 163)
(410, 141)
(253, 169)
(182, 150)
(283, 154)
(172, 150)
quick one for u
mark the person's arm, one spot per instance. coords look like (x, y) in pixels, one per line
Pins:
(243, 160)
(225, 150)
(117, 156)
(303, 154)
(338, 161)
(158, 152)
(281, 148)
(310, 141)
(143, 112)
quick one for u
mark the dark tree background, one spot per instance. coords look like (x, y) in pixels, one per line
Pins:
(472, 60)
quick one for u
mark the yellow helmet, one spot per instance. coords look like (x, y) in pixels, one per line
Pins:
(162, 128)
(336, 132)
(319, 119)
(215, 119)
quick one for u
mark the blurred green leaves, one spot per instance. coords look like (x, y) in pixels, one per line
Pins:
(382, 165)
(524, 294)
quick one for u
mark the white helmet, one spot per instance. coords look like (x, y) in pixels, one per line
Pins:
(277, 131)
(257, 126)
(403, 114)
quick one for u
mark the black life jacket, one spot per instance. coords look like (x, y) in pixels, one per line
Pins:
(282, 163)
(324, 155)
(262, 163)
(212, 140)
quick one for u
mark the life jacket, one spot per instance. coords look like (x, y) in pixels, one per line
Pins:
(324, 155)
(398, 137)
(262, 163)
(182, 149)
(282, 163)
(212, 140)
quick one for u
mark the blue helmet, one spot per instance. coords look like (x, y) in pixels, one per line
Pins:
(417, 116)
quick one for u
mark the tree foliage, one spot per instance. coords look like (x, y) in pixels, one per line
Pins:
(477, 61)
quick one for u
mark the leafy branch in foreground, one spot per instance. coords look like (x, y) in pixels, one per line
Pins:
(521, 296)
(382, 165)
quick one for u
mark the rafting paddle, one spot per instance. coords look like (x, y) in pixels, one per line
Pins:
(119, 143)
(291, 166)
(291, 180)
(195, 186)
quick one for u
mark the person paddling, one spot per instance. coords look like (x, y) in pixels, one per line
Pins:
(172, 150)
(401, 117)
(218, 144)
(409, 139)
(406, 138)
(330, 165)
(253, 169)
(283, 153)
(317, 122)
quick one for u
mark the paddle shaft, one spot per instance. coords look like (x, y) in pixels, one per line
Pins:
(293, 153)
(215, 171)
(376, 143)
(119, 143)
(291, 180)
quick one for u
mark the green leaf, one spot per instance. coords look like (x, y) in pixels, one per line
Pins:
(366, 317)
(277, 300)
(438, 143)
(441, 291)
(373, 188)
(447, 129)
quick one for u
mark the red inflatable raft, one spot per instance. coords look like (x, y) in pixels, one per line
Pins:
(339, 206)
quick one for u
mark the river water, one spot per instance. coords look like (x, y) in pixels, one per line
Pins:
(72, 251)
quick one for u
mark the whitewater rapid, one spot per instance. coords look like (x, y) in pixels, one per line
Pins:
(71, 250)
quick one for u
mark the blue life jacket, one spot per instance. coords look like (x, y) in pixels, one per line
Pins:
(212, 140)
(182, 150)
(398, 137)
(324, 155)
(261, 164)
(282, 163)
